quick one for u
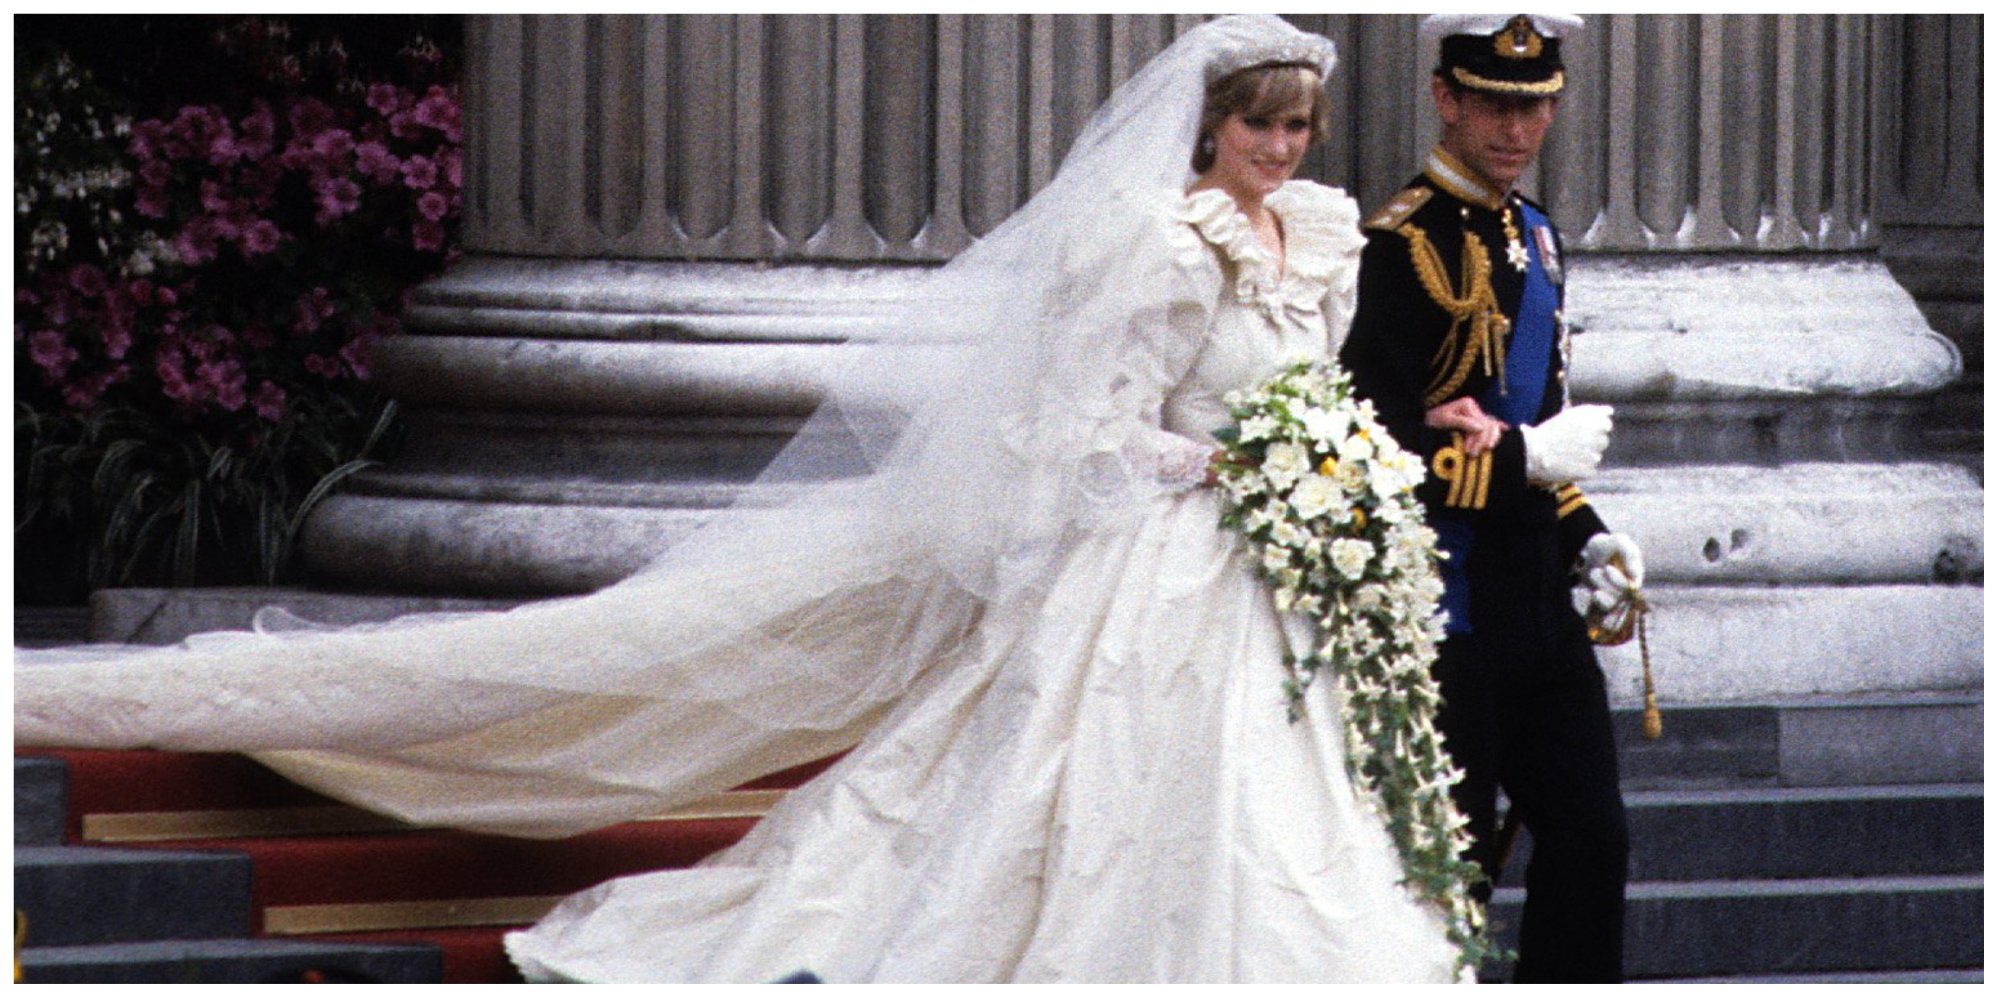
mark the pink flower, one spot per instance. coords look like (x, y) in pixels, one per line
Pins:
(213, 199)
(59, 306)
(298, 155)
(385, 98)
(454, 171)
(48, 349)
(169, 365)
(260, 237)
(337, 196)
(195, 129)
(87, 280)
(356, 352)
(147, 137)
(333, 143)
(269, 402)
(419, 173)
(224, 381)
(323, 365)
(427, 235)
(156, 172)
(439, 110)
(196, 242)
(117, 341)
(376, 162)
(310, 116)
(258, 131)
(310, 310)
(116, 329)
(404, 125)
(223, 149)
(433, 205)
(84, 393)
(152, 202)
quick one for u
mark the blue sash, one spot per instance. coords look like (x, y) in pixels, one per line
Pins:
(1528, 350)
(1533, 338)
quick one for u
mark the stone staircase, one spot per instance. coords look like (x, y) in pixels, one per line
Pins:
(1821, 840)
(1816, 840)
(108, 915)
(147, 866)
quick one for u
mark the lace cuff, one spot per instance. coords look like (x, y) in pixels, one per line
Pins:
(1180, 463)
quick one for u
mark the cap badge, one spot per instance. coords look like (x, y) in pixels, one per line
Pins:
(1518, 40)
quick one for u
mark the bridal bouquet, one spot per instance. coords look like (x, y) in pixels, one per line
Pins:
(1324, 497)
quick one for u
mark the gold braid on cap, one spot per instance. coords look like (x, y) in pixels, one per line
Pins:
(1476, 324)
(1539, 88)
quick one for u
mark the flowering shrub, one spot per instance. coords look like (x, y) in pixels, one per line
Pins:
(214, 273)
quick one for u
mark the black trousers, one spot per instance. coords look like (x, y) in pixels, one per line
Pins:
(1529, 714)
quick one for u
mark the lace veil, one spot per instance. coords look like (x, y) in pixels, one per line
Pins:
(1006, 415)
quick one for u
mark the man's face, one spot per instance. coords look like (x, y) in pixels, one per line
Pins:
(1495, 135)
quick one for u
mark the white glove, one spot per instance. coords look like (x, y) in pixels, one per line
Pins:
(1567, 446)
(1612, 566)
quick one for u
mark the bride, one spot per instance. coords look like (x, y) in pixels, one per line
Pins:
(1061, 680)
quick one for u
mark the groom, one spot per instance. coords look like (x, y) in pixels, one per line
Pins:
(1459, 340)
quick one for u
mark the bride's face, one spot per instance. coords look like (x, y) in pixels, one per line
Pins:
(1256, 154)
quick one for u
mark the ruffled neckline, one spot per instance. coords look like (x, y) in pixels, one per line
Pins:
(1321, 231)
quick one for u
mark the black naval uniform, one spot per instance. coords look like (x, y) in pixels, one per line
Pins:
(1447, 273)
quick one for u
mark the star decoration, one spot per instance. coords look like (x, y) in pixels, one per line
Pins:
(1517, 255)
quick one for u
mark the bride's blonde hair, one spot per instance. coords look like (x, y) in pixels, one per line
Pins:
(1253, 91)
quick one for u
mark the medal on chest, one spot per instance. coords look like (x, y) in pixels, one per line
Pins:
(1517, 252)
(1545, 241)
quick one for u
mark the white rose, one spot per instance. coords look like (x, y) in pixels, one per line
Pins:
(1385, 481)
(1407, 466)
(1357, 448)
(1351, 476)
(1285, 462)
(1315, 495)
(1287, 533)
(1325, 426)
(1257, 428)
(1351, 557)
(1277, 558)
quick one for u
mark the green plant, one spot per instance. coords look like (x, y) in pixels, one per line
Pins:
(169, 507)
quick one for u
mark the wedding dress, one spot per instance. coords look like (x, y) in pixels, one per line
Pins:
(1061, 680)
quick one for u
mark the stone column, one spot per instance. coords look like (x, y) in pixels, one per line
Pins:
(673, 220)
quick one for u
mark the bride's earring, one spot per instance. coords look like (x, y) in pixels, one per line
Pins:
(1207, 146)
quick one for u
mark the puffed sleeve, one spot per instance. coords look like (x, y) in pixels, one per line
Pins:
(1136, 302)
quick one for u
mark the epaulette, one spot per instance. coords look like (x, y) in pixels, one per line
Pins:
(1400, 208)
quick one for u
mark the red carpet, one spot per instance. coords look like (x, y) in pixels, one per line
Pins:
(411, 867)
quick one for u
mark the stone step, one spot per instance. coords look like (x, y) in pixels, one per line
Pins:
(39, 627)
(1683, 930)
(1808, 832)
(1884, 739)
(41, 794)
(92, 895)
(232, 961)
(1892, 976)
(1797, 833)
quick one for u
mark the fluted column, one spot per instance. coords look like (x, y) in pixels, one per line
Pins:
(876, 138)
